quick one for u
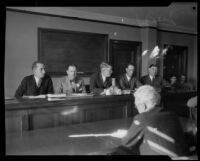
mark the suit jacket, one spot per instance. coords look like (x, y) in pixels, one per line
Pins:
(131, 84)
(174, 87)
(157, 82)
(65, 86)
(28, 86)
(96, 83)
(156, 132)
(185, 86)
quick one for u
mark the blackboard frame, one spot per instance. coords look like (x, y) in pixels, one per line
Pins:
(41, 55)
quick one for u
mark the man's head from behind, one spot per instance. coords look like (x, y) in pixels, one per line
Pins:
(38, 69)
(146, 98)
(152, 70)
(71, 71)
(106, 69)
(129, 69)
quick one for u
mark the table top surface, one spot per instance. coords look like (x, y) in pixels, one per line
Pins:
(55, 141)
(13, 104)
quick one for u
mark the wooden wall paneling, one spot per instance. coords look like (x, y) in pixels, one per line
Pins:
(57, 48)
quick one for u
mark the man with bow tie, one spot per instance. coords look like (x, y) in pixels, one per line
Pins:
(36, 84)
(70, 83)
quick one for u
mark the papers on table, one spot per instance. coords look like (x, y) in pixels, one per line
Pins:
(35, 97)
(64, 95)
(56, 98)
(128, 92)
(56, 95)
(80, 94)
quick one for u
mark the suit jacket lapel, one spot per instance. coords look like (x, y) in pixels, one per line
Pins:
(68, 83)
(33, 82)
(149, 80)
(34, 85)
(101, 80)
(132, 83)
(106, 82)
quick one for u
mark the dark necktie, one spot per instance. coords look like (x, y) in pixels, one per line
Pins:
(73, 85)
(105, 82)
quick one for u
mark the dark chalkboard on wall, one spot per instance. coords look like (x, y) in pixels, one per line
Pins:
(57, 48)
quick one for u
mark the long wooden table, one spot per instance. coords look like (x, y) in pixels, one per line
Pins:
(30, 114)
(55, 141)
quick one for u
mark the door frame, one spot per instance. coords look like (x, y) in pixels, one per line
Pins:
(185, 59)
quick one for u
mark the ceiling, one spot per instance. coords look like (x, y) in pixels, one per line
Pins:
(182, 14)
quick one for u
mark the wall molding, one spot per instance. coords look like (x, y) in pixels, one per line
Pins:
(101, 18)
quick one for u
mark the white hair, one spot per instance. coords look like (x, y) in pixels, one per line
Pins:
(147, 95)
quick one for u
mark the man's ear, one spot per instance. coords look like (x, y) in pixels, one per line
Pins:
(145, 107)
(142, 107)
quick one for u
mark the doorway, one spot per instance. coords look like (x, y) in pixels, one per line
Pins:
(175, 61)
(122, 52)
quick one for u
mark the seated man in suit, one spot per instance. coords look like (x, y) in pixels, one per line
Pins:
(70, 83)
(173, 83)
(153, 79)
(127, 81)
(101, 81)
(35, 84)
(184, 85)
(154, 131)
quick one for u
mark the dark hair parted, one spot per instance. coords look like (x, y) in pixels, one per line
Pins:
(127, 64)
(35, 64)
(71, 65)
(152, 65)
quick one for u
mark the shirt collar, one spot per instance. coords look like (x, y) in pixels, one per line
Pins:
(128, 77)
(103, 77)
(36, 79)
(75, 79)
(151, 77)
